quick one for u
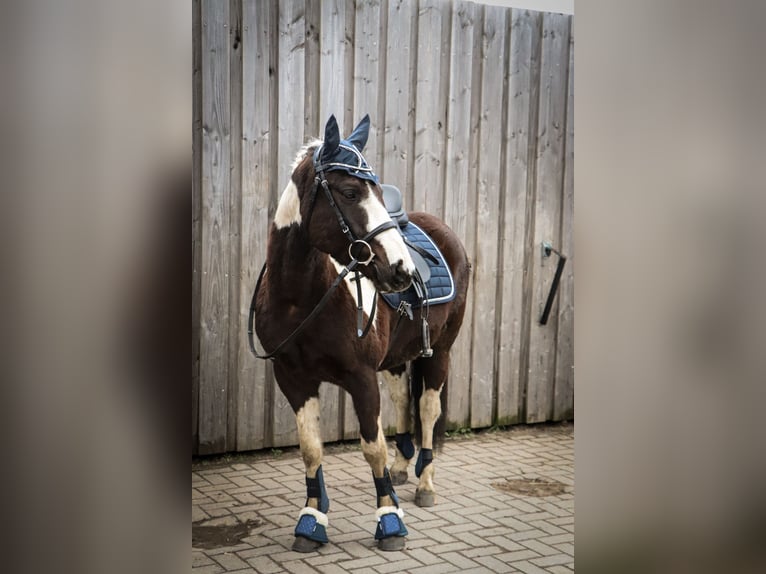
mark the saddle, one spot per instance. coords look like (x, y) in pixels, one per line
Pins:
(432, 282)
(392, 199)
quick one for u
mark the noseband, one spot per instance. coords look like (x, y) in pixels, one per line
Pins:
(354, 244)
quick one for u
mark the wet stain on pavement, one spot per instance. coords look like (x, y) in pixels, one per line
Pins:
(209, 536)
(531, 486)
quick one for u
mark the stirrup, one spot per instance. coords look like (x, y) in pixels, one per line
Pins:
(426, 336)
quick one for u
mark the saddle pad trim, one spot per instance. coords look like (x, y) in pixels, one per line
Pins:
(436, 300)
(451, 294)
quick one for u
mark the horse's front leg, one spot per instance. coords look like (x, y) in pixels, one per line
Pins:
(311, 530)
(390, 532)
(399, 390)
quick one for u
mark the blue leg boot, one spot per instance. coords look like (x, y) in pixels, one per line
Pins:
(311, 530)
(405, 450)
(425, 457)
(424, 497)
(390, 531)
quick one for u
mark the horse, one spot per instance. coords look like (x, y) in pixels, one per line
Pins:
(332, 248)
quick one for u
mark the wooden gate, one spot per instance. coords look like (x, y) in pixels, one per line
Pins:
(472, 118)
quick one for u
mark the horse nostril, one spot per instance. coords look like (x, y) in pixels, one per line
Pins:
(403, 281)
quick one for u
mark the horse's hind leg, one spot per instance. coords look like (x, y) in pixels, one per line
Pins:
(433, 376)
(311, 530)
(390, 531)
(399, 390)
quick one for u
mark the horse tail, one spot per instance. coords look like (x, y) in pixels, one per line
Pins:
(440, 428)
(416, 391)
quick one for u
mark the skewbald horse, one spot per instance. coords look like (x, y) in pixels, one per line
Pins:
(317, 263)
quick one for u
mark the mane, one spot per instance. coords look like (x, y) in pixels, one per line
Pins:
(288, 207)
(303, 152)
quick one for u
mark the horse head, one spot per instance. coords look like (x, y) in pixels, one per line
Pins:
(341, 208)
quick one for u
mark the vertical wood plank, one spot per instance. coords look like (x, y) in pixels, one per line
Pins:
(214, 264)
(431, 107)
(523, 60)
(292, 86)
(367, 90)
(333, 63)
(196, 210)
(397, 131)
(458, 190)
(550, 180)
(257, 85)
(367, 74)
(313, 122)
(563, 396)
(236, 324)
(349, 39)
(291, 121)
(487, 206)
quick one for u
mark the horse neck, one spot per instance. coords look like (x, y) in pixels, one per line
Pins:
(297, 271)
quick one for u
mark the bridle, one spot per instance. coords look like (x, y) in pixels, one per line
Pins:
(355, 245)
(321, 181)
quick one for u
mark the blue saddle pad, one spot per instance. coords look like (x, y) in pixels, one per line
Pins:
(440, 287)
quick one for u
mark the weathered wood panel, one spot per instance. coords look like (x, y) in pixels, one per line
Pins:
(257, 199)
(563, 396)
(471, 110)
(547, 227)
(196, 210)
(487, 221)
(369, 35)
(402, 16)
(236, 324)
(215, 232)
(313, 119)
(523, 61)
(431, 107)
(458, 188)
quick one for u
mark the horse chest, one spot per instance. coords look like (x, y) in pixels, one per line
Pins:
(365, 286)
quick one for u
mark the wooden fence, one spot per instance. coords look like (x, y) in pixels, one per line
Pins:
(472, 118)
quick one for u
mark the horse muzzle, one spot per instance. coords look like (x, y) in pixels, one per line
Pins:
(395, 278)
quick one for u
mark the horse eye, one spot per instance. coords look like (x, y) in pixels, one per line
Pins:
(349, 194)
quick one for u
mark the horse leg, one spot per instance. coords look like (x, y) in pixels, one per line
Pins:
(399, 390)
(434, 373)
(311, 530)
(390, 531)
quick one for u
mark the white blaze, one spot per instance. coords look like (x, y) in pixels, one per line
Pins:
(289, 207)
(390, 239)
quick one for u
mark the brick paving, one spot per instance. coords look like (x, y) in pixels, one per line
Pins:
(474, 527)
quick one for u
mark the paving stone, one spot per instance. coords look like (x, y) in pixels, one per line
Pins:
(264, 565)
(553, 560)
(472, 528)
(529, 568)
(230, 561)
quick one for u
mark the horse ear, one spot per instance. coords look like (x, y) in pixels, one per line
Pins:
(359, 136)
(331, 137)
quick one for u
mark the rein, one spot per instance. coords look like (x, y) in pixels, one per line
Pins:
(360, 244)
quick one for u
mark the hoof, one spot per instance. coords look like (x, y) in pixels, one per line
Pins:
(398, 478)
(392, 543)
(302, 544)
(423, 498)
